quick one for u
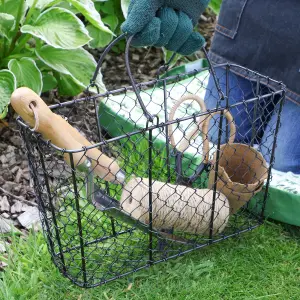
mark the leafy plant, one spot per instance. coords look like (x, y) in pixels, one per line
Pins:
(112, 15)
(215, 5)
(43, 44)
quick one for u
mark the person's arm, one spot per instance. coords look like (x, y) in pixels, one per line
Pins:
(165, 23)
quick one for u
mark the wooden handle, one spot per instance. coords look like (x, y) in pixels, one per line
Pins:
(54, 128)
(202, 127)
(185, 143)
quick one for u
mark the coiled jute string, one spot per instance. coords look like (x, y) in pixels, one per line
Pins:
(175, 206)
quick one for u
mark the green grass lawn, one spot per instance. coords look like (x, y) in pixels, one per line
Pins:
(262, 264)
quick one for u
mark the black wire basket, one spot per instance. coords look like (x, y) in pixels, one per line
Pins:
(185, 178)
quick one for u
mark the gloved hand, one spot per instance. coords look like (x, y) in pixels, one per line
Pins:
(165, 23)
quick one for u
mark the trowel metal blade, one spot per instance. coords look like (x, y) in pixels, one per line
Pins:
(110, 206)
(102, 201)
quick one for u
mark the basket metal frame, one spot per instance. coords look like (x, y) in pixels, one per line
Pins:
(152, 123)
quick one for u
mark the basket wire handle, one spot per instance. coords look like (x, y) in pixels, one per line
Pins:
(102, 57)
(149, 117)
(137, 92)
(213, 73)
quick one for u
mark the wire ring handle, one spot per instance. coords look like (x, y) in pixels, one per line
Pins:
(202, 126)
(32, 105)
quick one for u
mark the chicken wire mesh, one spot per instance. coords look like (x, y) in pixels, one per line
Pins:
(178, 178)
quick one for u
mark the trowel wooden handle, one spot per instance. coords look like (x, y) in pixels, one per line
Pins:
(186, 140)
(54, 128)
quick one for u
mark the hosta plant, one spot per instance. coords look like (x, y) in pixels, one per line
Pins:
(43, 45)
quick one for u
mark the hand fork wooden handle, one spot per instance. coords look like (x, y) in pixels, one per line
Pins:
(34, 111)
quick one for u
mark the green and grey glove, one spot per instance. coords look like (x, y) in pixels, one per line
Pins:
(165, 23)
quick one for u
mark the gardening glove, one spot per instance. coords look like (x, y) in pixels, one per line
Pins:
(165, 23)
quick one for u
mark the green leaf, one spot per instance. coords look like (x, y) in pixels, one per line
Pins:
(7, 86)
(87, 8)
(98, 6)
(125, 5)
(108, 7)
(27, 73)
(49, 82)
(215, 5)
(100, 38)
(4, 113)
(7, 23)
(41, 4)
(67, 86)
(78, 63)
(112, 21)
(12, 7)
(167, 56)
(59, 28)
(68, 6)
(42, 66)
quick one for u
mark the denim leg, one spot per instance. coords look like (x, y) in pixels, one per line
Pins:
(287, 152)
(239, 89)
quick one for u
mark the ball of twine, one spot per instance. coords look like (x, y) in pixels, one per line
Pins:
(174, 206)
